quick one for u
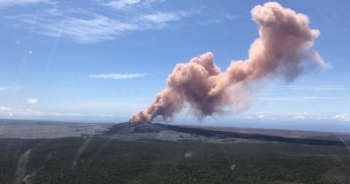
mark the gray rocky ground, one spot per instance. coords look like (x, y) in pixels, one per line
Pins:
(132, 131)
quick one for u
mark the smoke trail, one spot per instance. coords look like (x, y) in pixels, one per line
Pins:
(282, 50)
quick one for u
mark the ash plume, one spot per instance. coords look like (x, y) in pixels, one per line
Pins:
(283, 50)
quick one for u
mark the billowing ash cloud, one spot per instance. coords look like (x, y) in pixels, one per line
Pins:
(283, 50)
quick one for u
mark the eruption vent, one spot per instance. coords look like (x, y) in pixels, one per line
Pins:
(282, 50)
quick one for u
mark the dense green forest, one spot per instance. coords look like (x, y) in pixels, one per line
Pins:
(102, 160)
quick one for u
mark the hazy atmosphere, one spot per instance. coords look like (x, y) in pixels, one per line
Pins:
(210, 62)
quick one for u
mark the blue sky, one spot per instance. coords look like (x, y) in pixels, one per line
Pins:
(103, 60)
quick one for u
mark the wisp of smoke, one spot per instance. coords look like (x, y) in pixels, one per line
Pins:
(282, 50)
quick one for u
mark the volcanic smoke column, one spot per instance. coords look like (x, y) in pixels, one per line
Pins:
(282, 50)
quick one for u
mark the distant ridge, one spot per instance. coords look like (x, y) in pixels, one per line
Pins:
(148, 127)
(135, 127)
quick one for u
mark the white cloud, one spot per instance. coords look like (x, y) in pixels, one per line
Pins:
(8, 3)
(96, 107)
(93, 30)
(248, 117)
(344, 117)
(312, 88)
(82, 26)
(299, 98)
(116, 76)
(32, 100)
(130, 4)
(217, 19)
(4, 88)
(162, 17)
(6, 111)
(298, 116)
(121, 4)
(231, 17)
